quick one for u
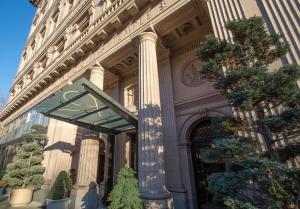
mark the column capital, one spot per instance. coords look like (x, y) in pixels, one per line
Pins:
(97, 69)
(147, 36)
(97, 75)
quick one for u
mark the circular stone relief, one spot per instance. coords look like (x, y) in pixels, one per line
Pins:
(191, 74)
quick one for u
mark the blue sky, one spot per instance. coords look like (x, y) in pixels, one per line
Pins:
(15, 20)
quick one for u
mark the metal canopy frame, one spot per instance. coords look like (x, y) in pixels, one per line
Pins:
(89, 107)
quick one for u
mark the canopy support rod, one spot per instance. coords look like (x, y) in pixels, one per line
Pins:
(114, 106)
(68, 102)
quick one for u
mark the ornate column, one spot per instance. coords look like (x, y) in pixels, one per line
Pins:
(88, 159)
(86, 186)
(151, 169)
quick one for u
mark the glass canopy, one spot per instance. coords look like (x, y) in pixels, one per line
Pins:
(84, 104)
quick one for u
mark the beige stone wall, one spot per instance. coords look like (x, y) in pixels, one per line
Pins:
(192, 103)
(59, 149)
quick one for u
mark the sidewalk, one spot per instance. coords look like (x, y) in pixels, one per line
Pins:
(33, 205)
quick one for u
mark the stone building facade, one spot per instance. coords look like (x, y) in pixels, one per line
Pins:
(143, 54)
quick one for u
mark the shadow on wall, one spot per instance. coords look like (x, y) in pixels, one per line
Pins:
(90, 199)
(62, 146)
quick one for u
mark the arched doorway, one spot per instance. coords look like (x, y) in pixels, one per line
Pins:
(201, 136)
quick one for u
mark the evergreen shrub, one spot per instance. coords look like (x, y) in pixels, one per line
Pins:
(26, 170)
(61, 187)
(125, 193)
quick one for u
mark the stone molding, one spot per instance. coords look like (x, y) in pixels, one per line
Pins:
(199, 100)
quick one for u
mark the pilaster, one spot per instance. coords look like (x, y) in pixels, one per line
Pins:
(221, 12)
(170, 140)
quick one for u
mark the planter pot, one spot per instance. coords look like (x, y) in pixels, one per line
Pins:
(20, 197)
(61, 204)
(2, 191)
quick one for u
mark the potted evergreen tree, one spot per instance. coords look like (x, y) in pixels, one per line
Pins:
(25, 173)
(3, 187)
(125, 193)
(60, 192)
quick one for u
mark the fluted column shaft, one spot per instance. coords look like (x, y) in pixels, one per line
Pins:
(89, 149)
(150, 147)
(88, 160)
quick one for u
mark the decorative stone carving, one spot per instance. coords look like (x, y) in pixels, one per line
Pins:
(185, 29)
(37, 69)
(191, 73)
(11, 96)
(131, 98)
(17, 88)
(26, 80)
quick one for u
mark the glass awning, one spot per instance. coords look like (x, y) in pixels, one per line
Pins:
(84, 104)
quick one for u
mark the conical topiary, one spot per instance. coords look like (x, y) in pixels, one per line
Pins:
(61, 187)
(26, 170)
(125, 193)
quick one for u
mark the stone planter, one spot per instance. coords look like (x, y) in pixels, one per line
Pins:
(61, 204)
(20, 197)
(2, 191)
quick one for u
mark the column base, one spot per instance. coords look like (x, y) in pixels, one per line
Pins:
(180, 200)
(85, 196)
(156, 199)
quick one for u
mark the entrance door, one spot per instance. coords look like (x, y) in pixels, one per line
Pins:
(131, 151)
(201, 137)
(101, 163)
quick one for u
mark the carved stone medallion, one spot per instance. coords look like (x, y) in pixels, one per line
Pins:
(191, 74)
